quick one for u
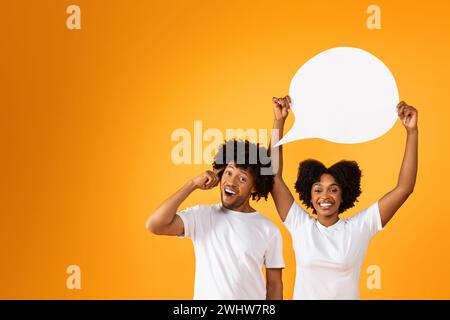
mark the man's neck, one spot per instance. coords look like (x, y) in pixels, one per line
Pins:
(245, 208)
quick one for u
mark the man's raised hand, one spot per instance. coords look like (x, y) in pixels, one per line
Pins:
(206, 180)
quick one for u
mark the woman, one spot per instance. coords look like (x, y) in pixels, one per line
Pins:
(329, 251)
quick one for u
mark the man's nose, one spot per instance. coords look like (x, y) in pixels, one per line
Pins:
(234, 180)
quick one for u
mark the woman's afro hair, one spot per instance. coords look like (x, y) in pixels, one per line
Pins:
(250, 157)
(346, 173)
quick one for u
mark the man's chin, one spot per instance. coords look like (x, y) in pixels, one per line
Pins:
(229, 205)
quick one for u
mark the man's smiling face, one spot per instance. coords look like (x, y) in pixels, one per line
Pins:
(236, 187)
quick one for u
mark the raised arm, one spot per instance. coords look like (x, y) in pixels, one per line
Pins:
(393, 200)
(281, 194)
(164, 220)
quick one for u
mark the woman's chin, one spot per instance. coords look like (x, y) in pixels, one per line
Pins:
(326, 213)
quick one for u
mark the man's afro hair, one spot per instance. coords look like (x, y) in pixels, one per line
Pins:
(250, 157)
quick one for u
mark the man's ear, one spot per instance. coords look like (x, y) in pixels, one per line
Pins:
(219, 172)
(254, 190)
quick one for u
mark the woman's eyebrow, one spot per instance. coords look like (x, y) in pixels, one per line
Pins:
(334, 185)
(320, 184)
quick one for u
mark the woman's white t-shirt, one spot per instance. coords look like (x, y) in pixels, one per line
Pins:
(231, 248)
(329, 259)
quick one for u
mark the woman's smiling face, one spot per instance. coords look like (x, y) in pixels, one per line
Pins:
(326, 196)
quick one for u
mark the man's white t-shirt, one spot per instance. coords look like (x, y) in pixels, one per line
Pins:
(230, 249)
(329, 259)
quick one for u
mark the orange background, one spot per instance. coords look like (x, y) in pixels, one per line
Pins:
(87, 117)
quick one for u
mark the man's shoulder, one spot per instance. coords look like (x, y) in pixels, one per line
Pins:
(266, 222)
(201, 209)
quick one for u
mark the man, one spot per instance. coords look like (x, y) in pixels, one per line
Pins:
(231, 240)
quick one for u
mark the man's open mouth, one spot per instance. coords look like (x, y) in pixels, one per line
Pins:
(229, 192)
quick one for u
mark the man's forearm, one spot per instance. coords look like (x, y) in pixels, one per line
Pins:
(275, 291)
(165, 213)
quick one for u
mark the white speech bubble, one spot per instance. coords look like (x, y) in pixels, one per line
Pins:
(344, 95)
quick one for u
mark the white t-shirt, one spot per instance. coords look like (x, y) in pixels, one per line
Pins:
(329, 259)
(230, 249)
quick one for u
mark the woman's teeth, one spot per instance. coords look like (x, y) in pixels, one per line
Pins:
(325, 205)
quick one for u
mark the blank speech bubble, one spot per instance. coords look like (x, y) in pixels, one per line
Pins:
(344, 95)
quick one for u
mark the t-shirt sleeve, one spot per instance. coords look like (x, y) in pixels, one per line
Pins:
(273, 257)
(189, 217)
(368, 221)
(296, 217)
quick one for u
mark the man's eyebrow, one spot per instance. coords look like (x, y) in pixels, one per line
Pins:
(241, 170)
(244, 172)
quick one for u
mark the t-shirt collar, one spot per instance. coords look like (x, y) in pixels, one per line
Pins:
(223, 209)
(332, 227)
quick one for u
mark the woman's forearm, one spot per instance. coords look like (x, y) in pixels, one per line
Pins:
(277, 152)
(408, 170)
